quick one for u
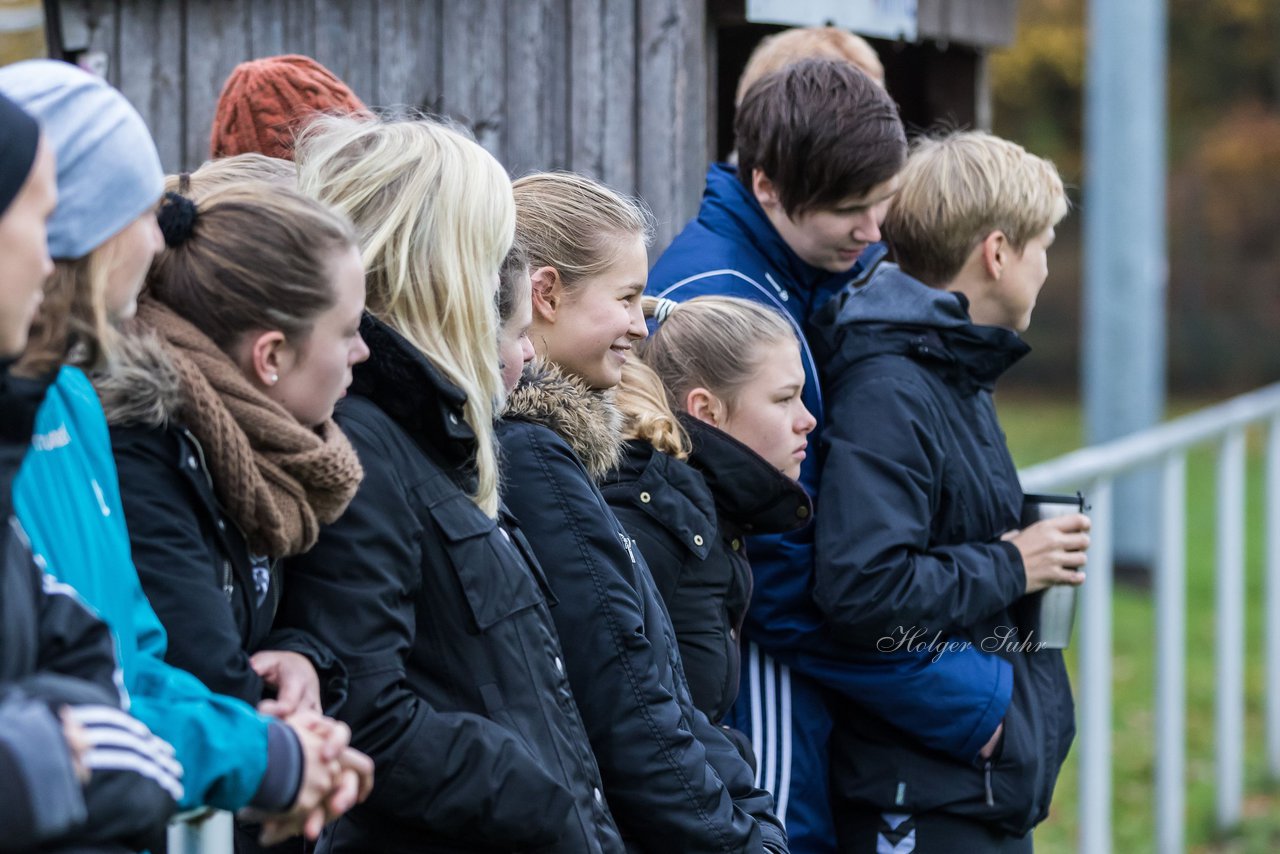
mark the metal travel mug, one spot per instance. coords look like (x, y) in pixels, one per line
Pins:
(1057, 607)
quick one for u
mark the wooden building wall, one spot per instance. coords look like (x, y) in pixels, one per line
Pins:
(617, 89)
(624, 90)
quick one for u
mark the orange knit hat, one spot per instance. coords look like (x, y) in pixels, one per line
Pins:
(264, 101)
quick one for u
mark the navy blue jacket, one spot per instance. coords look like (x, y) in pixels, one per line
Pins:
(919, 488)
(673, 780)
(457, 685)
(731, 249)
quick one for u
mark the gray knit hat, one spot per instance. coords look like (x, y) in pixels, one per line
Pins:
(108, 170)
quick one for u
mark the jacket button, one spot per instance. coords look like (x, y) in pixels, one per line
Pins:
(505, 535)
(697, 539)
(733, 634)
(644, 497)
(222, 526)
(736, 544)
(802, 512)
(191, 462)
(453, 419)
(559, 666)
(596, 793)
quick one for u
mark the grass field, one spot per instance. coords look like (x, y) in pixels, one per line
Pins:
(1039, 430)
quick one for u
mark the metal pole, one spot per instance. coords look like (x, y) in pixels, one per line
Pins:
(1229, 654)
(1095, 680)
(1171, 642)
(1125, 263)
(1272, 621)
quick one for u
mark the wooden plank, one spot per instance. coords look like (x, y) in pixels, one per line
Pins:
(603, 104)
(976, 23)
(536, 87)
(217, 40)
(281, 26)
(672, 111)
(410, 54)
(95, 26)
(150, 72)
(345, 43)
(474, 79)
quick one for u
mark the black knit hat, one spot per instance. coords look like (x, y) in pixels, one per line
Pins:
(19, 137)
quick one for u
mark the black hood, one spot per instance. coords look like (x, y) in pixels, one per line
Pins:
(400, 380)
(889, 312)
(20, 400)
(750, 494)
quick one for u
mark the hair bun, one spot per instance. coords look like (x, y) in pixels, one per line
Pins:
(177, 218)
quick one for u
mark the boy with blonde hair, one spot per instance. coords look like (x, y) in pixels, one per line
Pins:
(919, 537)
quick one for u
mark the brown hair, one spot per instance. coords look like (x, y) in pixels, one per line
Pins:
(710, 342)
(646, 411)
(958, 188)
(574, 224)
(822, 131)
(216, 174)
(72, 324)
(514, 266)
(257, 256)
(781, 49)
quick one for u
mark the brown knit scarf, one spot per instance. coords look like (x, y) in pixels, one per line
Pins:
(278, 479)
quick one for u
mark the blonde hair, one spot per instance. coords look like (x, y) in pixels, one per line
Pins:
(72, 325)
(646, 411)
(242, 168)
(958, 188)
(777, 51)
(710, 342)
(435, 218)
(574, 224)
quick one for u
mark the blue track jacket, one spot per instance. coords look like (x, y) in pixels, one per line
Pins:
(952, 704)
(67, 497)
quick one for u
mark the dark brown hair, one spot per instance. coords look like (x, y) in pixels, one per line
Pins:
(258, 256)
(514, 266)
(822, 131)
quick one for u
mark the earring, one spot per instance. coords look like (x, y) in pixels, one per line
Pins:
(275, 378)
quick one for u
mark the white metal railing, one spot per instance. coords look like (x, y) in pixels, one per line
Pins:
(1094, 470)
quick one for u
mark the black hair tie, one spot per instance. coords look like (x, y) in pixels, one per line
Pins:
(177, 218)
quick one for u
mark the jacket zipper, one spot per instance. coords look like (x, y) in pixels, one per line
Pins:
(228, 583)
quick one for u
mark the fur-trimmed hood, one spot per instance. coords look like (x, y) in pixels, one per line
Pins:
(588, 420)
(140, 386)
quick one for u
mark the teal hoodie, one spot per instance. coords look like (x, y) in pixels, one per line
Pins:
(67, 497)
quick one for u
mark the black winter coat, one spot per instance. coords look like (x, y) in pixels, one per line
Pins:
(673, 780)
(457, 681)
(918, 487)
(217, 601)
(55, 654)
(690, 520)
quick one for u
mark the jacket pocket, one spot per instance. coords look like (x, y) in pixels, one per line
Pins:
(492, 574)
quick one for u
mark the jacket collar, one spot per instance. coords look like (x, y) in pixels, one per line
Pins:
(889, 312)
(401, 382)
(729, 208)
(140, 386)
(587, 420)
(20, 400)
(750, 494)
(670, 491)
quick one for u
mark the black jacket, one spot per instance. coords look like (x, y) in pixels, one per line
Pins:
(55, 654)
(674, 781)
(457, 685)
(918, 487)
(690, 520)
(217, 601)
